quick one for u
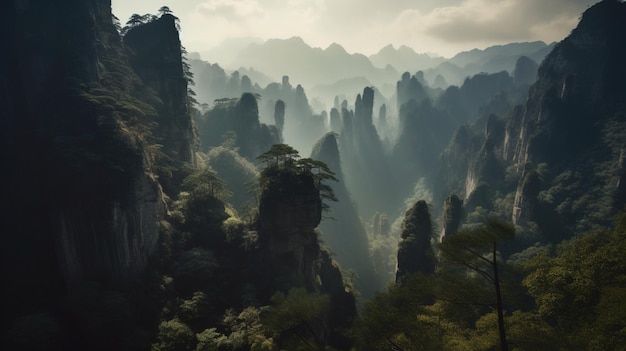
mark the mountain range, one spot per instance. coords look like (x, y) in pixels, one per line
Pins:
(329, 69)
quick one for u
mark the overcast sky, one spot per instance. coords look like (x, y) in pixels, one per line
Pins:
(443, 27)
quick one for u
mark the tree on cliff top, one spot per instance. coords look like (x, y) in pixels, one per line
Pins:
(164, 10)
(284, 158)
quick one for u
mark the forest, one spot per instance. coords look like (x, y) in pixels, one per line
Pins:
(158, 201)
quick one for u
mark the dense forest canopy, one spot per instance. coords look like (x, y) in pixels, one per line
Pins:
(156, 201)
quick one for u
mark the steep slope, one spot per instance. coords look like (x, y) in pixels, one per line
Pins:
(552, 165)
(344, 232)
(290, 209)
(84, 201)
(574, 125)
(369, 176)
(493, 59)
(155, 55)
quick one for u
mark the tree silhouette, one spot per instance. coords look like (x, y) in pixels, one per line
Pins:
(476, 249)
(206, 183)
(164, 10)
(284, 158)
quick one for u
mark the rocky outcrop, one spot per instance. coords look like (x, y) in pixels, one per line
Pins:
(236, 121)
(452, 215)
(414, 249)
(155, 55)
(343, 231)
(525, 72)
(367, 170)
(289, 211)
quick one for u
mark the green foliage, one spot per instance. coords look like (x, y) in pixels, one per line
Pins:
(194, 268)
(279, 156)
(205, 183)
(399, 319)
(580, 290)
(476, 249)
(210, 340)
(282, 158)
(200, 210)
(174, 335)
(243, 331)
(468, 247)
(237, 172)
(194, 310)
(292, 317)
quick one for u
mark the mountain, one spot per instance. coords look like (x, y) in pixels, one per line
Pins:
(553, 164)
(490, 60)
(343, 231)
(307, 65)
(404, 59)
(575, 124)
(501, 53)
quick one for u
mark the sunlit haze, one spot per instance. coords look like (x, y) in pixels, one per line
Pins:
(442, 27)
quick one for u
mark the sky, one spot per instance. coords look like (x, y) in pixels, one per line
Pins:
(442, 27)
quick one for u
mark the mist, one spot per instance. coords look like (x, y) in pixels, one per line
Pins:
(314, 175)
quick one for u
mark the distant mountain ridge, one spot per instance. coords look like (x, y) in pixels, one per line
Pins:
(404, 58)
(308, 65)
(536, 50)
(314, 66)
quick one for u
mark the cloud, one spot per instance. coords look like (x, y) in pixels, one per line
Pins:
(231, 10)
(442, 26)
(504, 20)
(212, 21)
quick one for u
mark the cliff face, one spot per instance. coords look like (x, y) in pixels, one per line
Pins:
(289, 211)
(84, 203)
(155, 55)
(414, 250)
(236, 121)
(344, 232)
(575, 118)
(552, 163)
(364, 161)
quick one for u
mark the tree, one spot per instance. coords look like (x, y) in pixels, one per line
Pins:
(279, 155)
(135, 20)
(174, 335)
(164, 10)
(581, 289)
(400, 319)
(476, 249)
(294, 315)
(116, 23)
(205, 182)
(284, 158)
